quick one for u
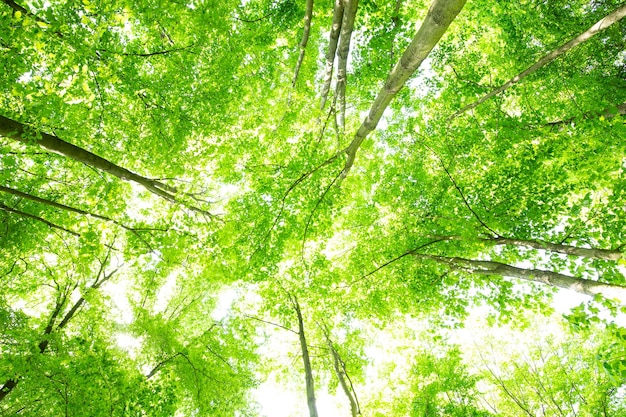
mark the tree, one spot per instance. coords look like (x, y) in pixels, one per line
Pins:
(344, 168)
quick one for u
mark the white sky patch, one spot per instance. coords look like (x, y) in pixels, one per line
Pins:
(117, 293)
(225, 301)
(129, 343)
(165, 293)
(418, 84)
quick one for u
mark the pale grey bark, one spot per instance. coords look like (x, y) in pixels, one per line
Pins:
(555, 279)
(310, 386)
(602, 24)
(332, 50)
(438, 19)
(340, 371)
(605, 254)
(347, 25)
(308, 16)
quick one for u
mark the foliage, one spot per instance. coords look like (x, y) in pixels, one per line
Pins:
(119, 300)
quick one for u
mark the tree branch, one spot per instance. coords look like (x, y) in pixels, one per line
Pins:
(305, 38)
(602, 24)
(440, 15)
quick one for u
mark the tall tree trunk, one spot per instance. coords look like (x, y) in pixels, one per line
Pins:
(602, 24)
(347, 25)
(19, 132)
(555, 279)
(305, 39)
(604, 254)
(333, 40)
(310, 387)
(439, 17)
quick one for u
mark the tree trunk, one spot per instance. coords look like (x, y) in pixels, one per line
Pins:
(305, 39)
(310, 387)
(21, 133)
(340, 371)
(439, 17)
(555, 279)
(604, 254)
(602, 24)
(347, 24)
(332, 50)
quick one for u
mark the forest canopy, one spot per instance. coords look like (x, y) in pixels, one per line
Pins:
(200, 200)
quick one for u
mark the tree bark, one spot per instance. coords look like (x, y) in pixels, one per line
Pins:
(608, 113)
(602, 24)
(305, 39)
(340, 371)
(332, 49)
(61, 206)
(347, 25)
(439, 17)
(555, 279)
(604, 254)
(310, 387)
(20, 133)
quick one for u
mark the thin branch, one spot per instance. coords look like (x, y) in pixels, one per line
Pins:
(148, 54)
(270, 323)
(39, 219)
(397, 258)
(602, 24)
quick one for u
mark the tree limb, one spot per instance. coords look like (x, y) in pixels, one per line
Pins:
(554, 279)
(347, 25)
(439, 17)
(39, 219)
(331, 52)
(308, 16)
(602, 24)
(310, 388)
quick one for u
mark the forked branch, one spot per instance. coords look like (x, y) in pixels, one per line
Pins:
(438, 19)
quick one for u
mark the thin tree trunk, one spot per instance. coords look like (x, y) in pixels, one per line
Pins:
(39, 219)
(19, 132)
(340, 371)
(555, 279)
(439, 17)
(332, 49)
(310, 387)
(602, 24)
(305, 39)
(347, 25)
(604, 254)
